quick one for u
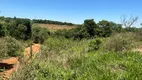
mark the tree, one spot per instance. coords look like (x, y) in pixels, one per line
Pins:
(128, 22)
(141, 24)
(91, 27)
(106, 28)
(39, 34)
(115, 27)
(20, 29)
(1, 31)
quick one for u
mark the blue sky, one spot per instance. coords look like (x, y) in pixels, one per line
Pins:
(75, 11)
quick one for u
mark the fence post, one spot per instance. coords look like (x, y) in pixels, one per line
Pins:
(31, 51)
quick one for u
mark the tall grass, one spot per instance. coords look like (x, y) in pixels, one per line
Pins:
(63, 59)
(121, 42)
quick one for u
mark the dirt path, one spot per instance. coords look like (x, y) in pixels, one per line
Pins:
(35, 50)
(12, 63)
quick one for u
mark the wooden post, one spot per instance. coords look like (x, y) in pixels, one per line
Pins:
(31, 51)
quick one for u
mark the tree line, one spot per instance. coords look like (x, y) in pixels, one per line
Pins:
(52, 22)
(20, 28)
(91, 29)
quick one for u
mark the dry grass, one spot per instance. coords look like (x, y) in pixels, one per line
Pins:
(56, 27)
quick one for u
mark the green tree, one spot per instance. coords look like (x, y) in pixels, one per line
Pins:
(91, 27)
(115, 27)
(106, 28)
(20, 29)
(1, 31)
(39, 34)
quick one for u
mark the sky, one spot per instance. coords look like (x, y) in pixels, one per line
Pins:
(75, 11)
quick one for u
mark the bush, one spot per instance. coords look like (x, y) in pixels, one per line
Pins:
(120, 42)
(95, 44)
(19, 29)
(10, 47)
(39, 34)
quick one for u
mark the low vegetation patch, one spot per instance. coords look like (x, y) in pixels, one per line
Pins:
(121, 42)
(92, 51)
(64, 59)
(10, 47)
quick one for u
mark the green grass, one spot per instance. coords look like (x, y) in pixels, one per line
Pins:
(63, 59)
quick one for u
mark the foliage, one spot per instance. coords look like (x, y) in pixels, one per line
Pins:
(94, 44)
(17, 28)
(10, 47)
(107, 28)
(65, 54)
(51, 22)
(65, 59)
(91, 30)
(2, 33)
(91, 27)
(131, 29)
(88, 30)
(120, 42)
(39, 34)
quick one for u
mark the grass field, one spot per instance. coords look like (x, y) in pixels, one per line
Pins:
(64, 59)
(54, 27)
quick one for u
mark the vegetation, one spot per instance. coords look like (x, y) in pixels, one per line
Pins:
(10, 47)
(121, 42)
(39, 34)
(51, 22)
(95, 44)
(92, 51)
(61, 58)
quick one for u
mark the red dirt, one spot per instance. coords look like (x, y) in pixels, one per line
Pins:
(15, 63)
(35, 50)
(11, 61)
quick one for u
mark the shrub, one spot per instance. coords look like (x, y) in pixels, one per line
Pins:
(19, 29)
(120, 42)
(10, 47)
(95, 44)
(39, 34)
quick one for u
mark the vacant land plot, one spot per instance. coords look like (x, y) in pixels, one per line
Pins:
(56, 27)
